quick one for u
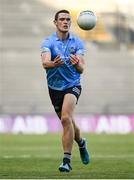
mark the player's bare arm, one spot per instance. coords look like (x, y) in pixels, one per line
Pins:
(78, 62)
(47, 63)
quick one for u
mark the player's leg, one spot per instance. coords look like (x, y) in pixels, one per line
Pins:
(66, 120)
(77, 134)
(57, 99)
(68, 107)
(84, 155)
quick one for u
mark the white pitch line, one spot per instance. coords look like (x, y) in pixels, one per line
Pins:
(26, 156)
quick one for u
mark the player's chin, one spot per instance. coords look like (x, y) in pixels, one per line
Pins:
(64, 30)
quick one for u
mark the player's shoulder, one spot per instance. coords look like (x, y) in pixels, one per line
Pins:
(47, 41)
(48, 38)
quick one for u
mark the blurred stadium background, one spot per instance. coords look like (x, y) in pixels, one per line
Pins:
(108, 81)
(105, 106)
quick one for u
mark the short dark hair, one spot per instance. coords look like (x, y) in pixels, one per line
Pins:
(61, 11)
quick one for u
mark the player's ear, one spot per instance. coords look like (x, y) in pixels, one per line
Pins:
(55, 22)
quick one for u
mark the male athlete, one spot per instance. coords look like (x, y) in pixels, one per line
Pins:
(62, 58)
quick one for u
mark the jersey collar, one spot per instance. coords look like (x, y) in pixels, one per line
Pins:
(57, 39)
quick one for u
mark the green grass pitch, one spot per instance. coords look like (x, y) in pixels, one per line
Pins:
(38, 157)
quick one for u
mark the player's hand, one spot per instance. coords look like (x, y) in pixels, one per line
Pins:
(58, 61)
(74, 60)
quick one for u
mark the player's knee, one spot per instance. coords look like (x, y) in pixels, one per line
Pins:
(66, 120)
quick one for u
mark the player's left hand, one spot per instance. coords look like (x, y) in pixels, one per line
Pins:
(74, 59)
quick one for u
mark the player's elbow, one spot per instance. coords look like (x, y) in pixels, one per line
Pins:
(81, 71)
(44, 65)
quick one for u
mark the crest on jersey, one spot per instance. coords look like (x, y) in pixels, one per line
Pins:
(72, 50)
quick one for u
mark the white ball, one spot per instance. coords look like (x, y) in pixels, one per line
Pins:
(86, 20)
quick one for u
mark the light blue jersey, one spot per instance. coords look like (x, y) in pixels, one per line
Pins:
(63, 76)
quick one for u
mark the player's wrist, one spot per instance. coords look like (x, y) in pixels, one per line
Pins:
(54, 64)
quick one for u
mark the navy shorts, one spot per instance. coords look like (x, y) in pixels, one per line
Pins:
(58, 96)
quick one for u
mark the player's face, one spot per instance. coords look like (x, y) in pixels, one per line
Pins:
(63, 22)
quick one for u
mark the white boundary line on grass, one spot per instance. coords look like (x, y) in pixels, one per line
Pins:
(26, 156)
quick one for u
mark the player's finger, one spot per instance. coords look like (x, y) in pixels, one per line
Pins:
(74, 61)
(58, 61)
(72, 56)
(57, 58)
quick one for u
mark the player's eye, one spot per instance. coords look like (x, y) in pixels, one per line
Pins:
(68, 19)
(63, 19)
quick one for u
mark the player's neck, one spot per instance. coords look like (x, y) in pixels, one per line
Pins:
(62, 35)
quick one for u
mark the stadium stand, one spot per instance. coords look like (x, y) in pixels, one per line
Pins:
(108, 81)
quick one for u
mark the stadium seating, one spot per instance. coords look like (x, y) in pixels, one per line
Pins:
(108, 83)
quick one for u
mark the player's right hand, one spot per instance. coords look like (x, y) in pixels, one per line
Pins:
(58, 61)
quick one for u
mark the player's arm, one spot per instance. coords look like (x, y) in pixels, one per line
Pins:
(78, 62)
(48, 63)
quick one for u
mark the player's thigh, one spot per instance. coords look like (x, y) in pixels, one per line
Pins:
(69, 104)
